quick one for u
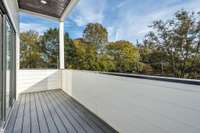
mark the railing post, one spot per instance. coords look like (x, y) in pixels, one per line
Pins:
(61, 46)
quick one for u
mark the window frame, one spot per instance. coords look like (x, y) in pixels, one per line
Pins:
(6, 19)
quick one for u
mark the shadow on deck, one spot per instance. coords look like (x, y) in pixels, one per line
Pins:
(53, 112)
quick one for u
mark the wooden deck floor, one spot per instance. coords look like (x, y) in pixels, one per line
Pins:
(53, 112)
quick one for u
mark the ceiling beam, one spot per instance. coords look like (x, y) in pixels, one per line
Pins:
(39, 15)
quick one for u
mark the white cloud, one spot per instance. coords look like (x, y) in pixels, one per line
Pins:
(33, 26)
(127, 19)
(131, 26)
(88, 11)
(123, 3)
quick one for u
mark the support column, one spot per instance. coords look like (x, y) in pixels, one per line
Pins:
(61, 45)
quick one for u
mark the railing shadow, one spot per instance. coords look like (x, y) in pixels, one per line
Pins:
(38, 80)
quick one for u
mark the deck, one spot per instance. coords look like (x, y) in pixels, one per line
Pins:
(53, 112)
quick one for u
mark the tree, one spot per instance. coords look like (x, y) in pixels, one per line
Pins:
(172, 48)
(30, 50)
(125, 56)
(84, 57)
(177, 42)
(96, 34)
(105, 63)
(50, 48)
(69, 52)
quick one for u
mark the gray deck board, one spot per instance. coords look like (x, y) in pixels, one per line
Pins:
(98, 122)
(20, 116)
(12, 122)
(74, 121)
(50, 119)
(53, 112)
(41, 118)
(34, 117)
(81, 113)
(83, 123)
(26, 120)
(67, 123)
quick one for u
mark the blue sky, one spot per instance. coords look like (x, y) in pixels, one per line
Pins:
(124, 19)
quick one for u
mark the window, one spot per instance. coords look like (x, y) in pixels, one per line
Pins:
(1, 67)
(7, 65)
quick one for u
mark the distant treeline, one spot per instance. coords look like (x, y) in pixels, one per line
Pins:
(172, 48)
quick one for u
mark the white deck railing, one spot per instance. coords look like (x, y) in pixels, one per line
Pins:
(127, 104)
(37, 80)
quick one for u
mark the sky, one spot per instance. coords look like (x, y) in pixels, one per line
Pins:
(124, 19)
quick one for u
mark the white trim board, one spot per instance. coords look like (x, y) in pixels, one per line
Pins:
(39, 15)
(69, 8)
(66, 12)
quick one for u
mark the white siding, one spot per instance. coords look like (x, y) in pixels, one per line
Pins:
(37, 80)
(133, 105)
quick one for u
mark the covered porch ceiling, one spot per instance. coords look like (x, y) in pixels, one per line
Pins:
(51, 9)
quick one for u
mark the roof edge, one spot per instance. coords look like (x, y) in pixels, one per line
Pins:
(68, 9)
(39, 15)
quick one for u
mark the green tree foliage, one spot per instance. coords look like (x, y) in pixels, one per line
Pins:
(172, 48)
(84, 55)
(50, 48)
(96, 34)
(174, 44)
(30, 50)
(106, 63)
(70, 54)
(125, 56)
